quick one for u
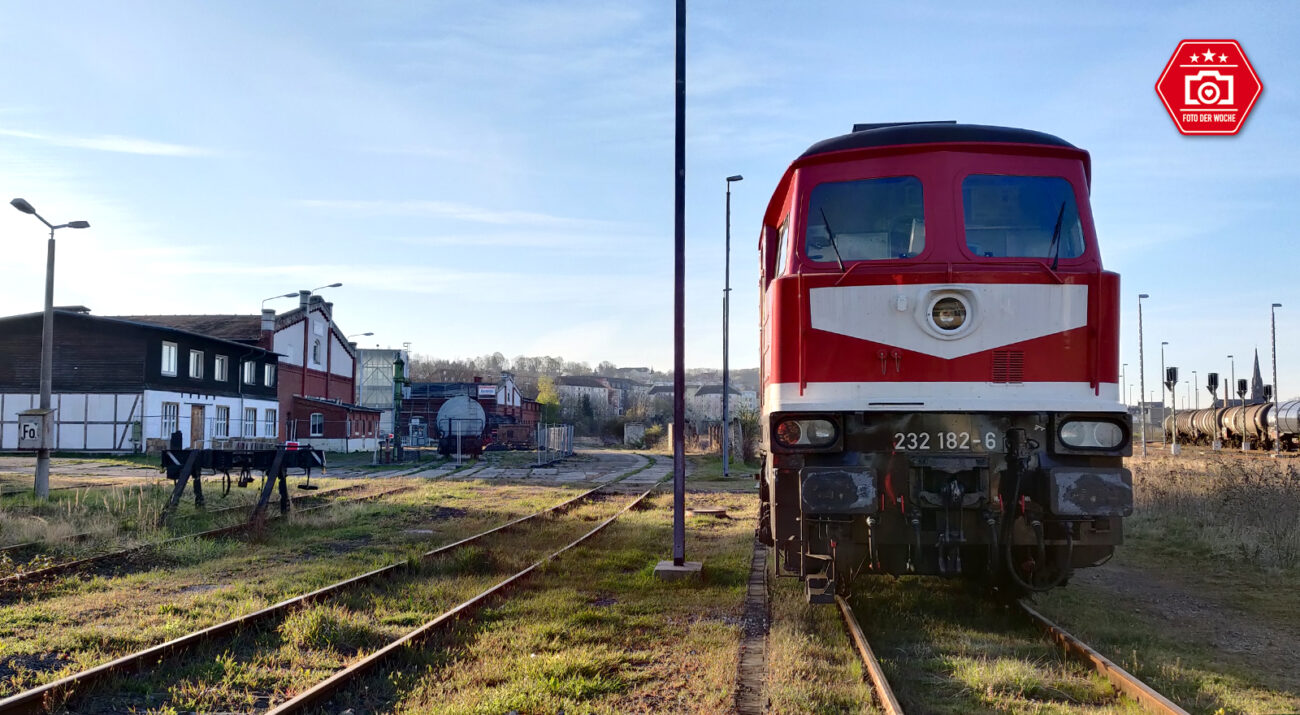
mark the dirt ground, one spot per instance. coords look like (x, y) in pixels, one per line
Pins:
(1177, 605)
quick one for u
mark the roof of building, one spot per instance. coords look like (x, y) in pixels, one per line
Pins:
(715, 390)
(337, 403)
(240, 328)
(668, 389)
(582, 381)
(876, 135)
(128, 320)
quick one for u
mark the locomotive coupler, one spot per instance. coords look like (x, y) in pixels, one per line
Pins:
(872, 556)
(950, 539)
(914, 519)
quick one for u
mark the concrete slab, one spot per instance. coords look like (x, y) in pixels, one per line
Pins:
(570, 477)
(669, 571)
(717, 512)
(545, 472)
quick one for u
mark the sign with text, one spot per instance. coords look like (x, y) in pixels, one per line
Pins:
(1209, 87)
(36, 429)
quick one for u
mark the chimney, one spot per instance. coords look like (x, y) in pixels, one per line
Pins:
(477, 379)
(266, 338)
(304, 299)
(329, 310)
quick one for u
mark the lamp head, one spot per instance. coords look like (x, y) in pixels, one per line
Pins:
(1164, 342)
(1142, 295)
(78, 224)
(1277, 305)
(737, 177)
(334, 285)
(22, 205)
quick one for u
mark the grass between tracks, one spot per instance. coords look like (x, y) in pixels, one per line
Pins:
(595, 632)
(79, 621)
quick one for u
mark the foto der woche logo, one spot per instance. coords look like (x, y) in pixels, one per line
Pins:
(1208, 87)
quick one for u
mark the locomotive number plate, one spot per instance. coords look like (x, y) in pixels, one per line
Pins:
(945, 441)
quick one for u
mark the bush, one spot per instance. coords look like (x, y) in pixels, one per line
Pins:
(654, 434)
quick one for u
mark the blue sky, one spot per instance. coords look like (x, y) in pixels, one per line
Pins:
(498, 176)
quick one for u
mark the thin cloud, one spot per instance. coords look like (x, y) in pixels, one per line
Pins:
(451, 210)
(113, 143)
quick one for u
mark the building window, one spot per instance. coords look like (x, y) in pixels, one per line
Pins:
(169, 359)
(221, 423)
(315, 351)
(171, 412)
(269, 426)
(268, 375)
(221, 368)
(250, 373)
(196, 364)
(250, 421)
(317, 424)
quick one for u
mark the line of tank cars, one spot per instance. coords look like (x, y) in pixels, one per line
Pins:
(1255, 424)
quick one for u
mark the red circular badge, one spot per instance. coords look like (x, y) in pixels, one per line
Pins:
(1209, 86)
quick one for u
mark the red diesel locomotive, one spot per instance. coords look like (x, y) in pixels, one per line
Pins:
(939, 361)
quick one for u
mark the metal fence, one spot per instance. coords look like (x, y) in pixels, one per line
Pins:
(554, 442)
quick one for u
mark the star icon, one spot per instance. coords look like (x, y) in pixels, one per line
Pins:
(1209, 55)
(1223, 58)
(1195, 57)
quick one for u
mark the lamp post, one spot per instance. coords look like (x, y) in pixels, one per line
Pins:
(1164, 377)
(1277, 426)
(1122, 382)
(1198, 395)
(1142, 375)
(726, 329)
(1233, 363)
(277, 297)
(332, 285)
(42, 485)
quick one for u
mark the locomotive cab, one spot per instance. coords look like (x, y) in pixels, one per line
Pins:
(939, 361)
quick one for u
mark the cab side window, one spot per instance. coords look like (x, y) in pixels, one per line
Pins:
(783, 248)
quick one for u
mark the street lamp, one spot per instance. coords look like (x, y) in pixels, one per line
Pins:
(47, 344)
(1122, 382)
(726, 324)
(277, 297)
(1277, 426)
(332, 285)
(1198, 394)
(1228, 399)
(360, 335)
(1142, 375)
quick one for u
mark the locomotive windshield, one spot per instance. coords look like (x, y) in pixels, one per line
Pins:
(868, 220)
(1021, 217)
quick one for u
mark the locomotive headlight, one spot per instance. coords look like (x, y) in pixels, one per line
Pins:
(948, 314)
(1084, 434)
(795, 432)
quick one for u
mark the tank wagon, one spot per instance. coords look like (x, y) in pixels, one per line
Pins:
(1257, 423)
(939, 362)
(461, 425)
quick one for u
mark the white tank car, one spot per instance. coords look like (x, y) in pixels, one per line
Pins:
(463, 418)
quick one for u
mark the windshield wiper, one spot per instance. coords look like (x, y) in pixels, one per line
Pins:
(831, 235)
(1055, 245)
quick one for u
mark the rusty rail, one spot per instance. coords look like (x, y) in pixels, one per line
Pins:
(884, 693)
(32, 701)
(323, 690)
(1121, 679)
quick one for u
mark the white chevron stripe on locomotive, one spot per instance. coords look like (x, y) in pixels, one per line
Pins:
(997, 314)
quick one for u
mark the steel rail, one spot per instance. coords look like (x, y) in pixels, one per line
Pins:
(884, 693)
(326, 688)
(109, 485)
(33, 700)
(1121, 679)
(79, 564)
(210, 512)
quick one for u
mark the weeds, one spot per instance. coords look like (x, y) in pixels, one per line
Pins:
(1222, 507)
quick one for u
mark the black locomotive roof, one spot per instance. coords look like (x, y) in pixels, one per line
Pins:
(874, 135)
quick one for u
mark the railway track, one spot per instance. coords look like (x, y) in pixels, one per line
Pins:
(38, 699)
(1121, 680)
(24, 578)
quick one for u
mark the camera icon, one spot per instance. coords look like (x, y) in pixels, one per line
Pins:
(1207, 87)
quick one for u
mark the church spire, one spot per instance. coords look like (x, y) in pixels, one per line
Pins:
(1256, 382)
